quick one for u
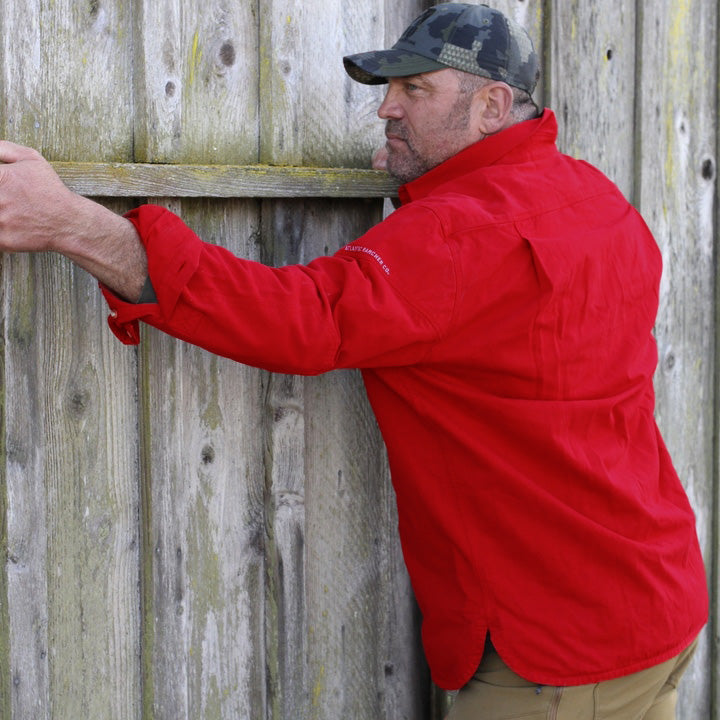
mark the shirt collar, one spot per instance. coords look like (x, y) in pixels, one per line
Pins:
(489, 151)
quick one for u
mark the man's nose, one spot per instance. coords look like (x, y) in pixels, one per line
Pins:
(390, 106)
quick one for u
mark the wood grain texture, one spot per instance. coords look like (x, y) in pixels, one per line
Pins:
(91, 480)
(592, 83)
(204, 610)
(676, 191)
(204, 550)
(196, 82)
(68, 78)
(71, 470)
(72, 645)
(25, 646)
(259, 181)
(311, 112)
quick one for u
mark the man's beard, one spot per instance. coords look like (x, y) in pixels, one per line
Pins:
(406, 166)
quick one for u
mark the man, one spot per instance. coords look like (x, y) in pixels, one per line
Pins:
(502, 318)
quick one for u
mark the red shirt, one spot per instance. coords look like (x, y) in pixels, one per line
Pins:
(502, 318)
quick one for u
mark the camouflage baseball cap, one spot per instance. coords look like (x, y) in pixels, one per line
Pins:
(473, 38)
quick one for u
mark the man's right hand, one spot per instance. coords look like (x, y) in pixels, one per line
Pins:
(379, 159)
(35, 206)
(38, 213)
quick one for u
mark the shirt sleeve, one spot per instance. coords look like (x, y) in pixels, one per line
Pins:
(369, 305)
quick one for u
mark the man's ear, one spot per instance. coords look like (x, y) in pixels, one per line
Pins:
(494, 106)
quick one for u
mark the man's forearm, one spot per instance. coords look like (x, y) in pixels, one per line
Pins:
(108, 247)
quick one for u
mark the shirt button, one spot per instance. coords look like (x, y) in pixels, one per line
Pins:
(113, 313)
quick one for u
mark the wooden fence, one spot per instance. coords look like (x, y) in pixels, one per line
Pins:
(189, 538)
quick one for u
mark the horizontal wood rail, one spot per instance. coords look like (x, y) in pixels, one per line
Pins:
(222, 181)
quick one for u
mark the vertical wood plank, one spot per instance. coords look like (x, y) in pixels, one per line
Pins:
(592, 83)
(337, 656)
(25, 658)
(92, 498)
(676, 191)
(286, 620)
(311, 112)
(204, 613)
(196, 82)
(204, 574)
(68, 78)
(71, 460)
(72, 501)
(5, 664)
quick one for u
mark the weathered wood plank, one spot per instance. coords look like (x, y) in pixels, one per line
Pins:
(197, 96)
(331, 652)
(24, 661)
(365, 659)
(311, 112)
(25, 657)
(71, 467)
(592, 83)
(72, 508)
(676, 179)
(259, 181)
(5, 663)
(203, 460)
(50, 47)
(204, 511)
(91, 476)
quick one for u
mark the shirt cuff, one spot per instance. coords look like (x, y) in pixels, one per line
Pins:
(173, 252)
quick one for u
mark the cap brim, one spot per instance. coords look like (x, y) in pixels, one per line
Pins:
(374, 68)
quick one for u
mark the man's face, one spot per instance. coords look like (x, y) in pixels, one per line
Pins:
(429, 119)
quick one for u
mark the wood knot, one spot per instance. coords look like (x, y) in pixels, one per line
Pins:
(708, 169)
(79, 401)
(227, 54)
(208, 455)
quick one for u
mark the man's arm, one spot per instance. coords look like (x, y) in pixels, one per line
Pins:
(39, 214)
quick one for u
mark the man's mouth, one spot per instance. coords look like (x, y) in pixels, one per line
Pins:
(395, 133)
(395, 141)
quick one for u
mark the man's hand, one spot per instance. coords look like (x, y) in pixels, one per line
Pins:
(379, 159)
(33, 201)
(38, 214)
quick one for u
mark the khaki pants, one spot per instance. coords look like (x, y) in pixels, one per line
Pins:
(496, 693)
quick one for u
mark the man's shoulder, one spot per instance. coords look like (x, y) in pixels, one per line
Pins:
(498, 194)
